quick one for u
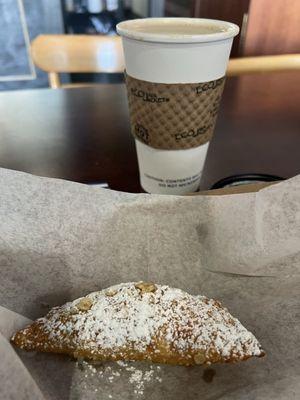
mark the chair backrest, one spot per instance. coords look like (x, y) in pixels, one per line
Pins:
(95, 53)
(253, 65)
(77, 53)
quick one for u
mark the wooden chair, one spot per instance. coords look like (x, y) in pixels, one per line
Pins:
(94, 53)
(77, 53)
(253, 65)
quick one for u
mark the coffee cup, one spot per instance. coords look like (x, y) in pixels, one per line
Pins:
(175, 73)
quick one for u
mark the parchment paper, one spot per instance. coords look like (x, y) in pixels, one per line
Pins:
(60, 240)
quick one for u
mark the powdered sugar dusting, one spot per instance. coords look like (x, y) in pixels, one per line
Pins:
(137, 377)
(141, 314)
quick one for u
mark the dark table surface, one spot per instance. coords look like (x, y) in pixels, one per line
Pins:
(83, 134)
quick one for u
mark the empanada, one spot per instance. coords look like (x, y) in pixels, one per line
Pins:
(142, 321)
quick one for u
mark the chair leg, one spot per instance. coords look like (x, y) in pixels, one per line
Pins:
(54, 80)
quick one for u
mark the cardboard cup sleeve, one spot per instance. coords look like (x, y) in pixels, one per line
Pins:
(173, 116)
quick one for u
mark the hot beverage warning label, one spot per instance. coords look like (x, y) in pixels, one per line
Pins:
(173, 116)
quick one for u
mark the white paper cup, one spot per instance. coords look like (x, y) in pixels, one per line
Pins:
(178, 53)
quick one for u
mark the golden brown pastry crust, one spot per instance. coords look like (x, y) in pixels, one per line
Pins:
(142, 321)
